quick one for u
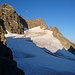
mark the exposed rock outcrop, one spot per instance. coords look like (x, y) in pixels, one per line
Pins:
(12, 21)
(72, 50)
(7, 65)
(2, 32)
(64, 41)
(5, 51)
(36, 22)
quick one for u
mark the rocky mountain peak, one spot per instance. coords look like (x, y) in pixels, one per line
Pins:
(7, 7)
(37, 22)
(13, 22)
(63, 40)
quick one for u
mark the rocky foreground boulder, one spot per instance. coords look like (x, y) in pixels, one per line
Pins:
(13, 22)
(64, 41)
(36, 22)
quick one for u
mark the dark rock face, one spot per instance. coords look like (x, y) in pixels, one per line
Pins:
(36, 22)
(2, 32)
(64, 41)
(12, 21)
(5, 51)
(7, 65)
(72, 50)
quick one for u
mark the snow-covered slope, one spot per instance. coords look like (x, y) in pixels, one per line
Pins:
(34, 60)
(44, 39)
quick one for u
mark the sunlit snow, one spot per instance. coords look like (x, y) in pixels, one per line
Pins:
(44, 39)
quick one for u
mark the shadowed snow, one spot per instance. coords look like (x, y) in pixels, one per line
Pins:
(34, 60)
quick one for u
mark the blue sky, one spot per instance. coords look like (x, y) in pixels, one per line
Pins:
(59, 13)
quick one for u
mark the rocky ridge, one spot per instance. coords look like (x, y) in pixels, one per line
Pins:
(13, 22)
(64, 41)
(36, 22)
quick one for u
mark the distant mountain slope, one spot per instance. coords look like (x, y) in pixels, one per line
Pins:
(56, 33)
(36, 22)
(64, 41)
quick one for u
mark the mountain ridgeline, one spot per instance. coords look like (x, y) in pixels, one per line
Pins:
(15, 23)
(64, 41)
(36, 22)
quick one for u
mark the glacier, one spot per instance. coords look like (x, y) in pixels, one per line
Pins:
(35, 60)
